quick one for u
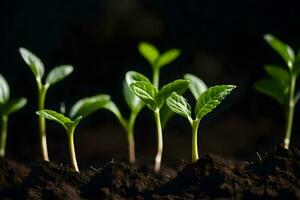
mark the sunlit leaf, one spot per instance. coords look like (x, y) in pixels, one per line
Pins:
(178, 86)
(4, 90)
(196, 86)
(54, 116)
(284, 50)
(149, 52)
(146, 92)
(89, 105)
(35, 64)
(58, 73)
(179, 105)
(167, 57)
(211, 98)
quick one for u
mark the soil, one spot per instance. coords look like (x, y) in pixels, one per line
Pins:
(275, 175)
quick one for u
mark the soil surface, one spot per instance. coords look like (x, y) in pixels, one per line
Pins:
(275, 176)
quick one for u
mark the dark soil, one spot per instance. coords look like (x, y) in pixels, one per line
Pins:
(275, 176)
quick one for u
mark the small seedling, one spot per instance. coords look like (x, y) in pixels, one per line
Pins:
(55, 75)
(282, 82)
(155, 99)
(81, 109)
(156, 59)
(7, 107)
(69, 125)
(207, 100)
(135, 105)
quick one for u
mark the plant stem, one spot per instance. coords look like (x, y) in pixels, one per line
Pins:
(290, 111)
(4, 121)
(130, 137)
(42, 122)
(159, 141)
(155, 78)
(72, 150)
(195, 125)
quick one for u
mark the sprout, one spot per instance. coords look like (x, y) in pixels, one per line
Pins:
(7, 107)
(55, 75)
(207, 100)
(81, 109)
(282, 82)
(69, 125)
(155, 99)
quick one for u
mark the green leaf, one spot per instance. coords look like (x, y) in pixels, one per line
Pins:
(132, 101)
(58, 73)
(54, 116)
(14, 105)
(278, 73)
(179, 105)
(271, 88)
(133, 76)
(167, 57)
(112, 107)
(149, 52)
(146, 92)
(35, 64)
(4, 90)
(165, 115)
(196, 86)
(179, 86)
(284, 50)
(89, 105)
(211, 98)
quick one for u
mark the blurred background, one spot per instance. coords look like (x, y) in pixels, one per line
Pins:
(221, 42)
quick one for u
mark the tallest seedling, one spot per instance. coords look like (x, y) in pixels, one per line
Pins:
(282, 82)
(54, 76)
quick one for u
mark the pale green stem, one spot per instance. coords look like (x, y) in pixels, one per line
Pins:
(195, 125)
(159, 141)
(130, 137)
(4, 121)
(42, 122)
(72, 149)
(155, 78)
(290, 112)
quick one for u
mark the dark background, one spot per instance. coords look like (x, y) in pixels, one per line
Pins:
(221, 42)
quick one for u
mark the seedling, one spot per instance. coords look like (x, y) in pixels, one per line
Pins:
(207, 100)
(7, 107)
(55, 75)
(158, 60)
(69, 125)
(81, 109)
(155, 99)
(282, 81)
(135, 105)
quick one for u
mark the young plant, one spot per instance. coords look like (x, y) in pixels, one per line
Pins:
(135, 105)
(55, 75)
(155, 99)
(81, 109)
(156, 59)
(207, 100)
(7, 107)
(282, 82)
(69, 125)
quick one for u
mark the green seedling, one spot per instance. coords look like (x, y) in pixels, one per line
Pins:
(55, 75)
(207, 100)
(69, 125)
(7, 107)
(158, 60)
(135, 105)
(81, 109)
(155, 99)
(282, 82)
